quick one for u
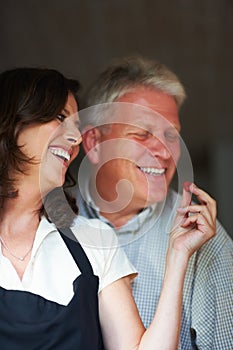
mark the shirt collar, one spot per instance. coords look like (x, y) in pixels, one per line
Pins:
(133, 225)
(44, 229)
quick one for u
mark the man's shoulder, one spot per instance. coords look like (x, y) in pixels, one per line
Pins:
(218, 250)
(219, 247)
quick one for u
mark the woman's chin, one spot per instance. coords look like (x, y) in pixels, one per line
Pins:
(47, 188)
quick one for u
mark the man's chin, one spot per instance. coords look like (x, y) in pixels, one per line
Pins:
(157, 198)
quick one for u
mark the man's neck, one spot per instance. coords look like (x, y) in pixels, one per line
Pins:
(117, 213)
(118, 219)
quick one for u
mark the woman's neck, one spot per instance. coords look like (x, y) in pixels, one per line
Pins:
(20, 212)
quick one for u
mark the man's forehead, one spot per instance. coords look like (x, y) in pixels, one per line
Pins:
(152, 99)
(143, 117)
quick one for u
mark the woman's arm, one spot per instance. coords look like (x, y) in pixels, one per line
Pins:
(120, 321)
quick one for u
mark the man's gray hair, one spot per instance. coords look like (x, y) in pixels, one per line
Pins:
(125, 74)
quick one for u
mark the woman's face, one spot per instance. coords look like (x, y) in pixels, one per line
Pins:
(52, 147)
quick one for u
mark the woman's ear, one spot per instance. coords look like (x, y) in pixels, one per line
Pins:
(91, 138)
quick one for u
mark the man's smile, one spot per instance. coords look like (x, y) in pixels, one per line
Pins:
(153, 171)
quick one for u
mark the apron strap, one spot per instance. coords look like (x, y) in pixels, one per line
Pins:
(76, 250)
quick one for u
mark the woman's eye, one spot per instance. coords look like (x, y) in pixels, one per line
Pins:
(61, 117)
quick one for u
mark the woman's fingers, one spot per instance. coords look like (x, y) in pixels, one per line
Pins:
(207, 203)
(190, 210)
(195, 223)
(199, 222)
(204, 198)
(186, 195)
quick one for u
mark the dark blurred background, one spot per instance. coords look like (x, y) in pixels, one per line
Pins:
(193, 37)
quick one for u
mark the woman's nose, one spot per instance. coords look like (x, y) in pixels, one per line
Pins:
(75, 139)
(73, 133)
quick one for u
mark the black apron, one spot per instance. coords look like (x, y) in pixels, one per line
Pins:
(30, 322)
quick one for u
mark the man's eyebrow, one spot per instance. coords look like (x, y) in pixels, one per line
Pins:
(175, 126)
(149, 126)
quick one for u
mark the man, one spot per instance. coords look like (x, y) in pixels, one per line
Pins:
(131, 137)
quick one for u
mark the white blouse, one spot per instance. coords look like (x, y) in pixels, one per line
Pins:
(51, 270)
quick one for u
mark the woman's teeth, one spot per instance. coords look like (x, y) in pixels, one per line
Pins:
(60, 153)
(152, 171)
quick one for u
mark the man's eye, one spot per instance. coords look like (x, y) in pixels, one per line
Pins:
(61, 117)
(141, 135)
(172, 136)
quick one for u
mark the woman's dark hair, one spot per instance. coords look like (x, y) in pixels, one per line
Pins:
(27, 96)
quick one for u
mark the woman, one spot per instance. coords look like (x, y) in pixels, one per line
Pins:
(49, 283)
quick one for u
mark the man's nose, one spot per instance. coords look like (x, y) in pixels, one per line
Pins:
(158, 147)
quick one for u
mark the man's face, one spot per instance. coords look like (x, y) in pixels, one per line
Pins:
(139, 152)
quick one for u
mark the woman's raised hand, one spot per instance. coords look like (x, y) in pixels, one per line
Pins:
(195, 223)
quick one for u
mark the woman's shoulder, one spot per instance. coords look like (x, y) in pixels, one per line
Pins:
(101, 245)
(94, 233)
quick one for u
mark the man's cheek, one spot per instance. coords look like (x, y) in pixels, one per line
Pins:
(126, 149)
